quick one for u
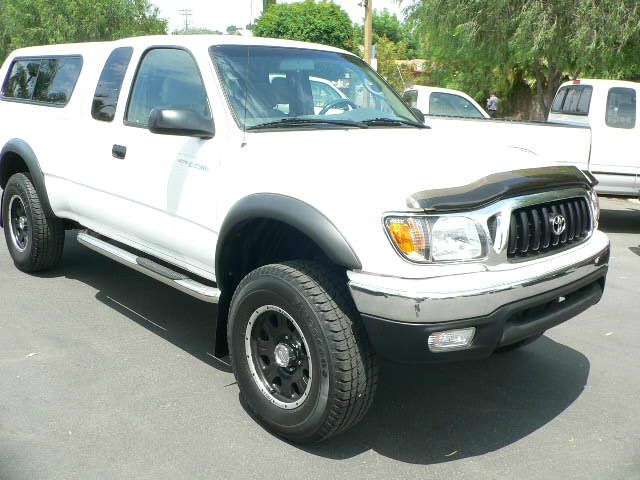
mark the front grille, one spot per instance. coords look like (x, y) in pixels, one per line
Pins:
(531, 231)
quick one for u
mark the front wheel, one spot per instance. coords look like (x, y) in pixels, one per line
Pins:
(299, 352)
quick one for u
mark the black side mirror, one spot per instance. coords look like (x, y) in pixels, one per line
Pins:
(418, 114)
(173, 121)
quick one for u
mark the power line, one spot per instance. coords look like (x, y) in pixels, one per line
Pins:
(186, 13)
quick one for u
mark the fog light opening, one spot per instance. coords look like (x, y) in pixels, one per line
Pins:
(451, 339)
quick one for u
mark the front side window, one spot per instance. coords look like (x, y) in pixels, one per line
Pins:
(105, 100)
(48, 81)
(167, 78)
(305, 88)
(621, 108)
(450, 105)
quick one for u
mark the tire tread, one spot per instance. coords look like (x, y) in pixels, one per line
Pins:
(354, 362)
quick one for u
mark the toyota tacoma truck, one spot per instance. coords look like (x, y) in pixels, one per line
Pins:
(272, 178)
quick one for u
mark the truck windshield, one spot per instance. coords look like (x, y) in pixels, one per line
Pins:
(270, 87)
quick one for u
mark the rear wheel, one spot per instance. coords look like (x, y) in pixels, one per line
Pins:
(34, 238)
(299, 352)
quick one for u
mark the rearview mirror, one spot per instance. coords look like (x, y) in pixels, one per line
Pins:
(418, 114)
(183, 122)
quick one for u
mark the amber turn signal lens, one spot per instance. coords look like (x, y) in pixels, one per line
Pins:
(401, 233)
(408, 235)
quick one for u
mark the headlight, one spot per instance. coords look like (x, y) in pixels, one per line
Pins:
(455, 238)
(435, 239)
(595, 203)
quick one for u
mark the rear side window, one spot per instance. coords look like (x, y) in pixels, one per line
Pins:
(46, 80)
(105, 100)
(621, 108)
(166, 78)
(573, 100)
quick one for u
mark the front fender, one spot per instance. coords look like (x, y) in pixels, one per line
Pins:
(293, 212)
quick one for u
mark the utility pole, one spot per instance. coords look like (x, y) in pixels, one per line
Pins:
(186, 13)
(368, 30)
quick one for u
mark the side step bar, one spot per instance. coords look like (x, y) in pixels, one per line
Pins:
(150, 268)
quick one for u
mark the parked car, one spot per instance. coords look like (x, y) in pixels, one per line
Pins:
(324, 244)
(609, 108)
(443, 102)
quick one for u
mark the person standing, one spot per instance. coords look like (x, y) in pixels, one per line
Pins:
(492, 105)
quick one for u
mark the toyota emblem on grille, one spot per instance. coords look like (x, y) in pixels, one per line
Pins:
(558, 224)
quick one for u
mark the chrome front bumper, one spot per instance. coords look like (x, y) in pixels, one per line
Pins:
(469, 295)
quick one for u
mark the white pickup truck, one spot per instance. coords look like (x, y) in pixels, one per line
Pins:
(222, 167)
(610, 110)
(604, 141)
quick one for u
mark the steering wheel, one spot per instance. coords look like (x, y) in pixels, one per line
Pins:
(340, 103)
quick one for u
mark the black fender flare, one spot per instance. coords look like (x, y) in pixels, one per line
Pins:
(293, 212)
(23, 150)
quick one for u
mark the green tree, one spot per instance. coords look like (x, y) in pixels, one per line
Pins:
(323, 22)
(482, 43)
(197, 31)
(388, 54)
(387, 25)
(267, 3)
(40, 22)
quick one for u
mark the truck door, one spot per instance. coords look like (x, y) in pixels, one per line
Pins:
(157, 192)
(615, 149)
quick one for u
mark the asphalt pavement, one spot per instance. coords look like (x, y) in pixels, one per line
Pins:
(106, 374)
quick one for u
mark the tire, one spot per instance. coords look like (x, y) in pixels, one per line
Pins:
(310, 301)
(517, 345)
(38, 246)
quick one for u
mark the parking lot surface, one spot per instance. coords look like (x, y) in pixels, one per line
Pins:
(105, 373)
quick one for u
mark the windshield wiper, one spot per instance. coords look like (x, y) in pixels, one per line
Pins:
(392, 122)
(306, 122)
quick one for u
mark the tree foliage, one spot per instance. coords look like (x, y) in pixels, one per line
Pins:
(39, 22)
(485, 44)
(323, 22)
(197, 31)
(388, 25)
(388, 53)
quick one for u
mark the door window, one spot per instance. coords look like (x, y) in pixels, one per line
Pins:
(449, 105)
(167, 78)
(105, 100)
(621, 108)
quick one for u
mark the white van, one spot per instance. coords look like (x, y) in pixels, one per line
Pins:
(610, 109)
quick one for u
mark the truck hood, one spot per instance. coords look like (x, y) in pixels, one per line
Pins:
(378, 167)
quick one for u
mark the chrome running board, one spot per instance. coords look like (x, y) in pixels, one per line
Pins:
(174, 279)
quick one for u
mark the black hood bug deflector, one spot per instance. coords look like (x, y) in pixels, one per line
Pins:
(498, 186)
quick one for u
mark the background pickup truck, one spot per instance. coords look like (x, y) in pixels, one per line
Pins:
(603, 137)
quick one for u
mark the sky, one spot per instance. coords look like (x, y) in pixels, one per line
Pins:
(219, 14)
